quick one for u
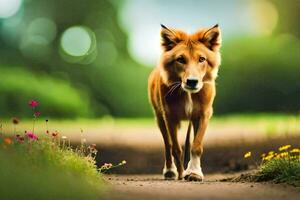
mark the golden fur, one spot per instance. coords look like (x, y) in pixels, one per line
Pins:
(187, 59)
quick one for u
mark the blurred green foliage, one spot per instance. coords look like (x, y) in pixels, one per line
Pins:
(17, 86)
(40, 170)
(257, 74)
(113, 84)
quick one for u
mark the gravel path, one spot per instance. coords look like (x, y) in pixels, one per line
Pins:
(154, 187)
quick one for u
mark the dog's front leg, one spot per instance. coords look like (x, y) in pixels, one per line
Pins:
(194, 171)
(172, 127)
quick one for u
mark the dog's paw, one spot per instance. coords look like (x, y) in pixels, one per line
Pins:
(170, 173)
(193, 171)
(194, 177)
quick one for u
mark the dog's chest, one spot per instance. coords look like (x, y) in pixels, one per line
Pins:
(183, 106)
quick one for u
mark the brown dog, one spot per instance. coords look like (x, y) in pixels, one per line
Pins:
(182, 87)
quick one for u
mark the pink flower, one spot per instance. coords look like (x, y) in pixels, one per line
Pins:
(31, 136)
(33, 103)
(107, 165)
(36, 114)
(19, 138)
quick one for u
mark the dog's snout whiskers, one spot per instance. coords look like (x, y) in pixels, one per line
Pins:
(173, 87)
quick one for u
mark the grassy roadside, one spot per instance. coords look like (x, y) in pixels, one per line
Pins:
(40, 169)
(278, 166)
(44, 166)
(266, 123)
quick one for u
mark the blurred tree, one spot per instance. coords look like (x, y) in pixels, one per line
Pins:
(88, 72)
(259, 74)
(114, 83)
(289, 16)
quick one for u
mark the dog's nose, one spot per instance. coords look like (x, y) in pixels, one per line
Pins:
(192, 82)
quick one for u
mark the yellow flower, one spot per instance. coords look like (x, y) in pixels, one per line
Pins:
(271, 152)
(295, 151)
(283, 154)
(285, 147)
(247, 155)
(269, 157)
(123, 162)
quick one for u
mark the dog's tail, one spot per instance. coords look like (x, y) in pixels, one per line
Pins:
(187, 146)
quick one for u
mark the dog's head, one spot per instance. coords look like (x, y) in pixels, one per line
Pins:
(192, 59)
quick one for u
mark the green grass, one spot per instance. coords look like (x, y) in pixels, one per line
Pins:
(280, 171)
(265, 123)
(270, 124)
(44, 170)
(59, 97)
(281, 166)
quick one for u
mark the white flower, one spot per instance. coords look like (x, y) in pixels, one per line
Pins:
(64, 137)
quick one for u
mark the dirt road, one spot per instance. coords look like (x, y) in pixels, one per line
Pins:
(154, 187)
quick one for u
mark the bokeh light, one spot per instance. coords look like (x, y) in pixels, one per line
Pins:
(76, 41)
(9, 8)
(37, 37)
(43, 29)
(78, 45)
(12, 30)
(264, 15)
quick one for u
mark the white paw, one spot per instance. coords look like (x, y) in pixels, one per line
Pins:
(170, 173)
(194, 169)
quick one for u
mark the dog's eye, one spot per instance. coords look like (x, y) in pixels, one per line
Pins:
(201, 59)
(181, 60)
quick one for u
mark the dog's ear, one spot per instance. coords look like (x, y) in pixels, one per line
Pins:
(169, 38)
(212, 38)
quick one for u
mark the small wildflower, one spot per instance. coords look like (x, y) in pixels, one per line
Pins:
(7, 141)
(123, 162)
(295, 151)
(92, 149)
(247, 155)
(15, 120)
(283, 154)
(33, 103)
(271, 152)
(64, 137)
(20, 138)
(31, 136)
(55, 134)
(36, 114)
(268, 157)
(106, 166)
(285, 147)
